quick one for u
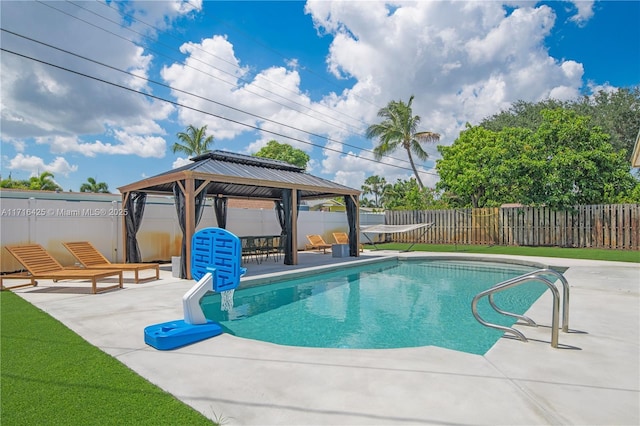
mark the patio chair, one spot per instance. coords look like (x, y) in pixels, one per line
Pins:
(316, 242)
(250, 248)
(274, 246)
(343, 238)
(91, 258)
(41, 265)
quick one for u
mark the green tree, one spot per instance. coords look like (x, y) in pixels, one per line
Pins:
(526, 115)
(44, 182)
(365, 202)
(194, 141)
(576, 163)
(481, 168)
(284, 152)
(92, 186)
(616, 113)
(375, 186)
(14, 184)
(398, 129)
(564, 162)
(407, 195)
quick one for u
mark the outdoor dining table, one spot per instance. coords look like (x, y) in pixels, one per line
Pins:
(261, 246)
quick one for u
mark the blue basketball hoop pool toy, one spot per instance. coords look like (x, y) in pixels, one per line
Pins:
(216, 255)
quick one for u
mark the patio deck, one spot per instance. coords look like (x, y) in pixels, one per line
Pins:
(593, 379)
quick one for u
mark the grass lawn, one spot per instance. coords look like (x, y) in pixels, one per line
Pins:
(50, 375)
(570, 253)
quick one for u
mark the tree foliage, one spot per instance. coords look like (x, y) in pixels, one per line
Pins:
(398, 129)
(284, 152)
(92, 186)
(14, 184)
(374, 185)
(43, 182)
(194, 141)
(616, 113)
(563, 162)
(401, 195)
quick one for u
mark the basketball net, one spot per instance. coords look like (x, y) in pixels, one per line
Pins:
(226, 300)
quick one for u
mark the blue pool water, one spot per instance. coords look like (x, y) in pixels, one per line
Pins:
(393, 304)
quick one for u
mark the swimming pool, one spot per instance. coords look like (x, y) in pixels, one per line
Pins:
(393, 304)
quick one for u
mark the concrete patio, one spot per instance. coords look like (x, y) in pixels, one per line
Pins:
(593, 378)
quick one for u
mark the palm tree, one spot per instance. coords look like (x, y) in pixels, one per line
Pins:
(92, 186)
(44, 182)
(374, 185)
(398, 129)
(194, 141)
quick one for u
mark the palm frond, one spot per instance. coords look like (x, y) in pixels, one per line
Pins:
(428, 137)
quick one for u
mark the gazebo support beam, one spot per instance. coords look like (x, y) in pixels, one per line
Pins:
(125, 196)
(189, 224)
(294, 226)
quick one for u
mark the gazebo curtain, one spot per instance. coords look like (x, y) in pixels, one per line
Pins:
(135, 209)
(352, 212)
(220, 207)
(182, 219)
(284, 209)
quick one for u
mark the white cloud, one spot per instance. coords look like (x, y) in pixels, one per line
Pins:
(462, 60)
(584, 11)
(596, 88)
(36, 165)
(129, 144)
(271, 99)
(180, 162)
(40, 101)
(149, 15)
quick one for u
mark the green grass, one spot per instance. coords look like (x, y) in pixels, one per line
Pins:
(50, 375)
(570, 253)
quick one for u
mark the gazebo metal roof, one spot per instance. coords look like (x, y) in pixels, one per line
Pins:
(241, 176)
(223, 175)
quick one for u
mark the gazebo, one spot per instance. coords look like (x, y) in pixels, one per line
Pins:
(222, 175)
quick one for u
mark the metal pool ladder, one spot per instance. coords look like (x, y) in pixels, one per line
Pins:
(538, 275)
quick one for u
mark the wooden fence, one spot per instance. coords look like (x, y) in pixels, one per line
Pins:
(601, 226)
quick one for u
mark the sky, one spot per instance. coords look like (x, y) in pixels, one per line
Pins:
(100, 89)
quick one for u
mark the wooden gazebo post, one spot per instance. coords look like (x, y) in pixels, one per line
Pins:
(189, 223)
(125, 196)
(294, 226)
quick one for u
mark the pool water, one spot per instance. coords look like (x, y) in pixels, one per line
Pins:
(393, 304)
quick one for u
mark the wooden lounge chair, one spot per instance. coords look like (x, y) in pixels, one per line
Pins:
(41, 265)
(91, 258)
(316, 242)
(343, 238)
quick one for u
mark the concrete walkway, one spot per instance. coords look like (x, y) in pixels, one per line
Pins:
(593, 378)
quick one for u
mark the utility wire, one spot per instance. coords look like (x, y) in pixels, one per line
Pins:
(214, 67)
(193, 8)
(203, 98)
(218, 78)
(196, 109)
(134, 18)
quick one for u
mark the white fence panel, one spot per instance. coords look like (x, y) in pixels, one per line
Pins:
(49, 218)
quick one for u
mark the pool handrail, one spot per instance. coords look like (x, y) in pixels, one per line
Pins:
(513, 282)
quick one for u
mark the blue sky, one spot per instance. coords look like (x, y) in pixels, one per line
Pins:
(315, 71)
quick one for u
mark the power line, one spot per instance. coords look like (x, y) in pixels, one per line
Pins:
(203, 98)
(214, 67)
(134, 18)
(304, 68)
(198, 110)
